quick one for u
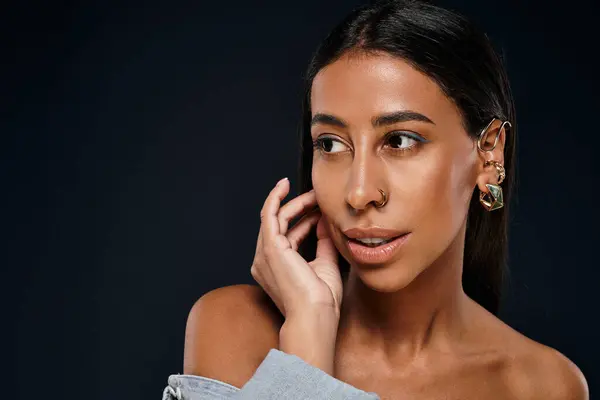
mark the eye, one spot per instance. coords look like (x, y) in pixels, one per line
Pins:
(403, 140)
(328, 145)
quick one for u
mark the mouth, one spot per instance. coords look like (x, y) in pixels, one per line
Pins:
(375, 250)
(373, 242)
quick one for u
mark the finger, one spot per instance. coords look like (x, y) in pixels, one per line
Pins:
(302, 228)
(294, 208)
(325, 248)
(258, 264)
(268, 214)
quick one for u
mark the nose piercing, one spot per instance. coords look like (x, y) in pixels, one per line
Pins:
(381, 203)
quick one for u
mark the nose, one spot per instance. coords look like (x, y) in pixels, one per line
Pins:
(363, 187)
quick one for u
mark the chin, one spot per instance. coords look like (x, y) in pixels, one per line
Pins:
(385, 279)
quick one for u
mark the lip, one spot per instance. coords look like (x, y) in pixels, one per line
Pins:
(375, 255)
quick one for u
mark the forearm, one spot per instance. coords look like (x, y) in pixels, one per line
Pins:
(312, 337)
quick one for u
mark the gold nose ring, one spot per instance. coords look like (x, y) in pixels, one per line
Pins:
(384, 200)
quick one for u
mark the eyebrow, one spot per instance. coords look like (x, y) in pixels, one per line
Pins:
(378, 121)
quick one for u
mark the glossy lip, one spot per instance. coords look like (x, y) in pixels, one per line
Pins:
(375, 255)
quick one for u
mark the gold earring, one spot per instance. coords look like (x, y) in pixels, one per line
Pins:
(504, 125)
(493, 199)
(383, 201)
(499, 168)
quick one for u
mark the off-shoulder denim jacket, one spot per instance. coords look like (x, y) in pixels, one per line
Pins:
(279, 376)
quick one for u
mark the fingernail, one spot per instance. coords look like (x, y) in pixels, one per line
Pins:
(281, 180)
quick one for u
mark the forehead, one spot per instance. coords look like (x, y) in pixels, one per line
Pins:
(365, 85)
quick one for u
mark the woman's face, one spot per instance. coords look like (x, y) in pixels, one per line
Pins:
(422, 158)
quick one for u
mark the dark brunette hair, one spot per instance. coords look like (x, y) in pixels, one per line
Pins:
(460, 58)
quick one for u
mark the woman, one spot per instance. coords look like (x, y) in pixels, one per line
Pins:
(408, 145)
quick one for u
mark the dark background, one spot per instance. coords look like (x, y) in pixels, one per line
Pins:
(139, 140)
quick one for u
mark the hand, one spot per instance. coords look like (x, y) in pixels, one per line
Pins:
(295, 285)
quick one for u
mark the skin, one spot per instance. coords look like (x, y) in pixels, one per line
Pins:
(408, 326)
(404, 329)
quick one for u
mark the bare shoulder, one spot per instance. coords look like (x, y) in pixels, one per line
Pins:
(229, 332)
(541, 372)
(535, 371)
(523, 368)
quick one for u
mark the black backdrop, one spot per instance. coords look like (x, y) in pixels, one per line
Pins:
(139, 141)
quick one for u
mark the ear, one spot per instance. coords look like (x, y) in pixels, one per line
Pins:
(495, 133)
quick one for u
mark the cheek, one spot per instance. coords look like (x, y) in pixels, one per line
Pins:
(317, 176)
(328, 195)
(435, 192)
(322, 176)
(318, 182)
(442, 186)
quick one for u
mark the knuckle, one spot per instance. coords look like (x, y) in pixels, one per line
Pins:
(267, 253)
(270, 253)
(284, 213)
(255, 272)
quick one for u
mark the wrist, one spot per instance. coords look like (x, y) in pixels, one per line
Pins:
(312, 337)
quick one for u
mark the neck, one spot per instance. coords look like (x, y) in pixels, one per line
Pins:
(427, 313)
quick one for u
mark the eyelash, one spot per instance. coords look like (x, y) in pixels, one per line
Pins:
(318, 142)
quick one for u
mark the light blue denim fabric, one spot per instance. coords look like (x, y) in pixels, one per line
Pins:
(279, 376)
